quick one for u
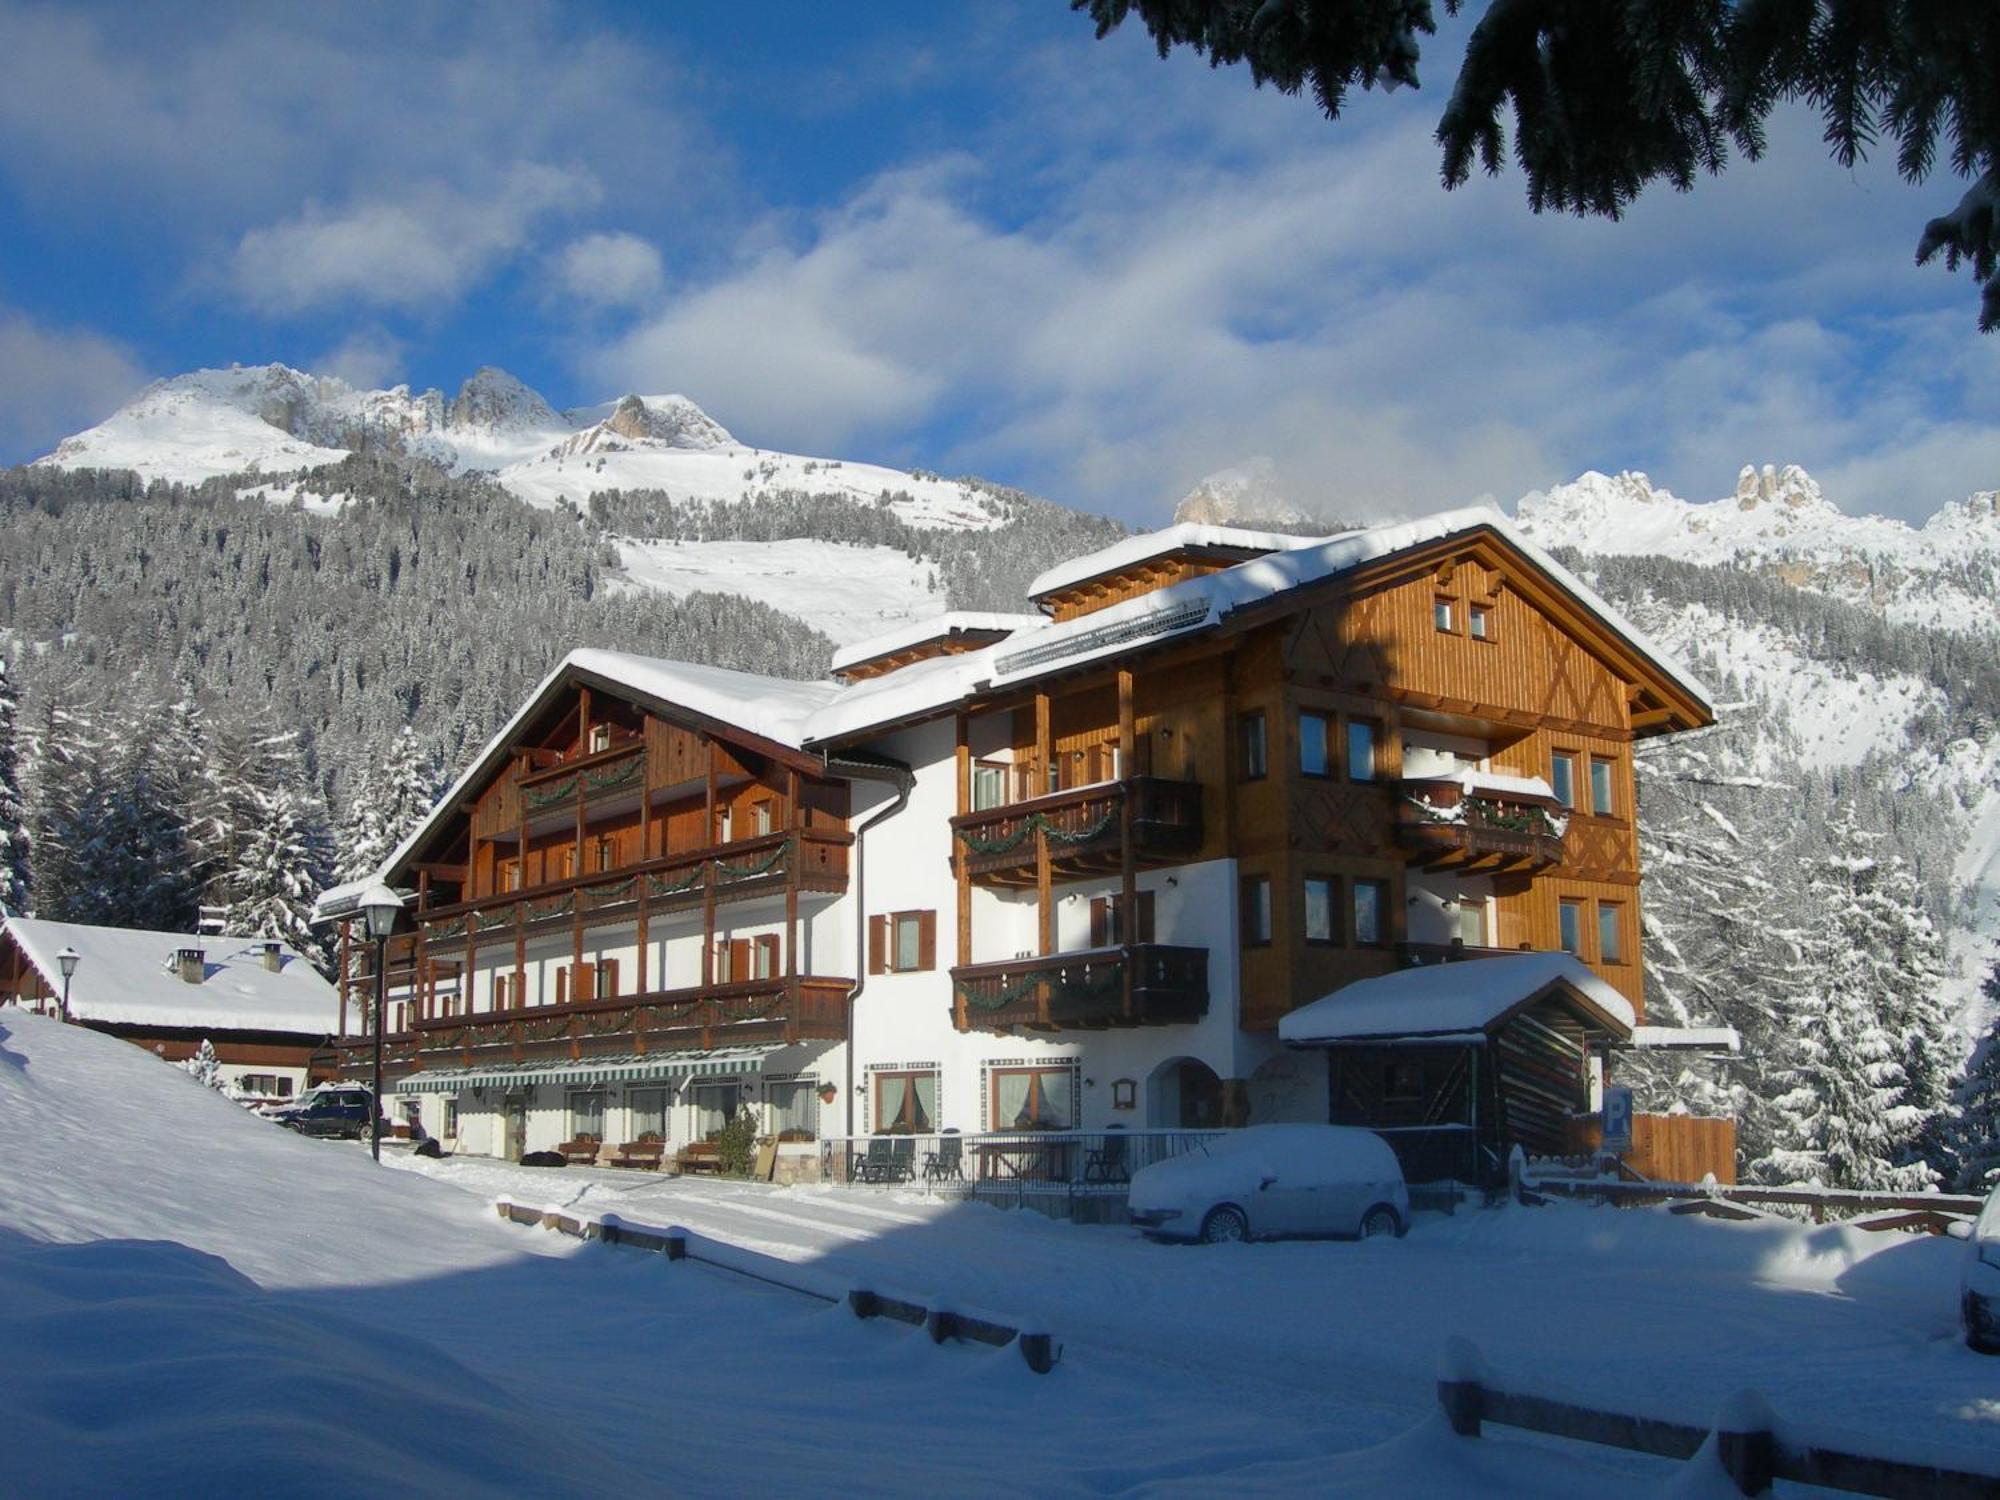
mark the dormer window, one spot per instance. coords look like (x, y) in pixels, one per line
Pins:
(600, 738)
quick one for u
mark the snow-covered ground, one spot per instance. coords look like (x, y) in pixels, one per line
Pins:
(848, 592)
(192, 1299)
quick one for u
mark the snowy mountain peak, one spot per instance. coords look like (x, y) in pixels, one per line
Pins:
(495, 400)
(1790, 489)
(1242, 493)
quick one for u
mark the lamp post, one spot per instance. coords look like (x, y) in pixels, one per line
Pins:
(68, 959)
(379, 906)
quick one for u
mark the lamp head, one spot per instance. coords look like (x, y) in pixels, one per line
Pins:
(380, 907)
(68, 959)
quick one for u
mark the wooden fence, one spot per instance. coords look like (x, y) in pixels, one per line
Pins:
(1750, 1446)
(1931, 1212)
(1666, 1148)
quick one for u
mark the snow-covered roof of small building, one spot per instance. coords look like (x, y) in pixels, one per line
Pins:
(126, 977)
(1492, 784)
(1451, 999)
(1688, 1038)
(936, 628)
(1147, 545)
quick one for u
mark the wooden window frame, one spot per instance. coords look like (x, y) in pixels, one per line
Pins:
(1329, 730)
(1247, 909)
(598, 740)
(883, 949)
(1384, 919)
(1249, 767)
(1036, 1071)
(1610, 768)
(1334, 926)
(1479, 612)
(1373, 728)
(1574, 904)
(1570, 759)
(1444, 614)
(875, 1077)
(1615, 910)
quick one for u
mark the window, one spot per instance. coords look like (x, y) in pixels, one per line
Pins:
(1479, 622)
(764, 957)
(648, 1108)
(1107, 921)
(1600, 787)
(1562, 777)
(1441, 614)
(451, 1115)
(715, 1105)
(722, 821)
(1472, 922)
(760, 817)
(604, 853)
(1321, 902)
(602, 979)
(1402, 1082)
(1315, 745)
(284, 1087)
(1610, 945)
(905, 1103)
(1255, 894)
(1360, 750)
(989, 786)
(600, 738)
(508, 877)
(1252, 757)
(586, 1115)
(902, 942)
(794, 1111)
(1033, 1098)
(1569, 924)
(1371, 911)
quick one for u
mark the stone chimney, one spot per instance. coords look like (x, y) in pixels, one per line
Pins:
(192, 963)
(274, 958)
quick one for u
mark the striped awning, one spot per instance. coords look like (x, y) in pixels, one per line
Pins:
(624, 1068)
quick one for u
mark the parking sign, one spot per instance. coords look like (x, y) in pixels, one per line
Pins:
(1617, 1119)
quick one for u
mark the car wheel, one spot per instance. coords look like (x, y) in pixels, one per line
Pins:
(1379, 1221)
(1224, 1225)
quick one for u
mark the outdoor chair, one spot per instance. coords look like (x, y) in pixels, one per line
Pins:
(1105, 1162)
(877, 1163)
(947, 1163)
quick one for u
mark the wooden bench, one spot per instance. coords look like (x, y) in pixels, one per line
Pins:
(646, 1155)
(580, 1153)
(698, 1156)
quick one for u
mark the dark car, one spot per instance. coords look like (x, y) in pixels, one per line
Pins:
(343, 1113)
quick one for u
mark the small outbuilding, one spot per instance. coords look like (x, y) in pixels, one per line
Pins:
(1457, 1063)
(260, 1003)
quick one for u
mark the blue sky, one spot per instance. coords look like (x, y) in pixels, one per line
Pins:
(971, 238)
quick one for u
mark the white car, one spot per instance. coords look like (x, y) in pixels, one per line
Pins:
(1270, 1180)
(1979, 1283)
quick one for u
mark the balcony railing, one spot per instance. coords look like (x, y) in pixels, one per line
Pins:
(1441, 826)
(736, 871)
(998, 844)
(1137, 984)
(1417, 955)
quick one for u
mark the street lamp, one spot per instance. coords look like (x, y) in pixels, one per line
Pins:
(380, 906)
(67, 960)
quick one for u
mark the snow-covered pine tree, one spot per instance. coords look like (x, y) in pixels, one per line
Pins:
(13, 809)
(205, 1068)
(1842, 1119)
(263, 837)
(1975, 1133)
(72, 838)
(391, 799)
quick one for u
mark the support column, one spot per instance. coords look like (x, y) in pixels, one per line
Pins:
(1044, 877)
(961, 868)
(794, 856)
(346, 964)
(1128, 877)
(708, 876)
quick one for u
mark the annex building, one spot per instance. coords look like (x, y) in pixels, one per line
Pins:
(1062, 871)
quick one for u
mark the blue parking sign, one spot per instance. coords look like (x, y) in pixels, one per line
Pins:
(1617, 1119)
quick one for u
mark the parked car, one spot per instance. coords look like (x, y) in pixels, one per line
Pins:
(1979, 1283)
(1272, 1180)
(340, 1112)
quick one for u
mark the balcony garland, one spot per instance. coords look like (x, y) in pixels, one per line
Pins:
(444, 931)
(490, 920)
(751, 871)
(610, 778)
(1026, 830)
(554, 792)
(596, 780)
(610, 1021)
(547, 1031)
(608, 894)
(1056, 977)
(555, 906)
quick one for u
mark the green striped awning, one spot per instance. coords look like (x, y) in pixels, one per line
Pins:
(625, 1068)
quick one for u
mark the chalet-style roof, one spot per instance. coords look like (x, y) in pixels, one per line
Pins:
(1460, 999)
(981, 625)
(126, 977)
(1148, 546)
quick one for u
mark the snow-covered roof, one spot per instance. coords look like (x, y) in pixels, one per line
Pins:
(936, 628)
(1688, 1038)
(1468, 997)
(126, 977)
(1146, 546)
(1493, 784)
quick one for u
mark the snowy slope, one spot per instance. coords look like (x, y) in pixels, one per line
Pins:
(276, 419)
(847, 592)
(1779, 519)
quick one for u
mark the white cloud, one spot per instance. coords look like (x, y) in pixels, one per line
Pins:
(414, 251)
(55, 381)
(610, 271)
(368, 358)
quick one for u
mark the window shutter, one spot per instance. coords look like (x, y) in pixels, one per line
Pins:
(1145, 923)
(927, 940)
(609, 988)
(562, 986)
(878, 945)
(739, 958)
(499, 991)
(1100, 921)
(585, 985)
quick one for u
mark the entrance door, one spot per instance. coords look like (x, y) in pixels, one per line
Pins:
(514, 1115)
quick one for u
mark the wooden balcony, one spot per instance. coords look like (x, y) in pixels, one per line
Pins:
(1137, 984)
(1441, 827)
(998, 844)
(747, 1012)
(737, 871)
(1419, 955)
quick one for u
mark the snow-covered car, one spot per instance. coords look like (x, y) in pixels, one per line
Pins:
(339, 1112)
(1979, 1283)
(1272, 1180)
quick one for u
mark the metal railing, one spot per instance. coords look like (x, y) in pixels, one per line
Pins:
(1028, 1160)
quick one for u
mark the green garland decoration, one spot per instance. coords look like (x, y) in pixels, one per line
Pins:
(556, 791)
(606, 895)
(659, 885)
(443, 931)
(1025, 830)
(555, 906)
(610, 1021)
(490, 920)
(610, 778)
(749, 872)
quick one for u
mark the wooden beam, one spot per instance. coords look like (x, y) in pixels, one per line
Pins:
(1044, 880)
(1128, 880)
(961, 866)
(707, 869)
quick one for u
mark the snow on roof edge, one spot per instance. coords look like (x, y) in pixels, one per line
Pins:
(936, 627)
(1446, 998)
(1150, 544)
